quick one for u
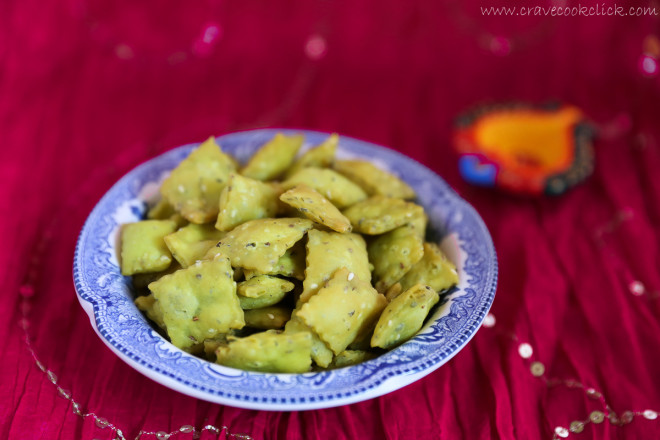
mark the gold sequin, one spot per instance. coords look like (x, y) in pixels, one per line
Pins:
(577, 427)
(593, 394)
(66, 394)
(537, 369)
(597, 416)
(572, 384)
(561, 431)
(51, 376)
(627, 417)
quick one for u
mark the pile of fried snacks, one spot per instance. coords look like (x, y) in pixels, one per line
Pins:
(289, 264)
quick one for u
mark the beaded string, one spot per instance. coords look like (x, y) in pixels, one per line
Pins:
(537, 369)
(27, 292)
(636, 287)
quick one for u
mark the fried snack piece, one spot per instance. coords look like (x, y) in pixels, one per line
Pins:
(316, 208)
(143, 248)
(194, 186)
(161, 211)
(262, 285)
(320, 156)
(179, 220)
(267, 318)
(259, 244)
(269, 351)
(329, 251)
(363, 339)
(211, 345)
(393, 291)
(164, 211)
(351, 357)
(342, 309)
(404, 316)
(291, 264)
(374, 180)
(199, 302)
(380, 214)
(142, 280)
(191, 242)
(151, 308)
(321, 354)
(245, 199)
(434, 269)
(330, 184)
(262, 301)
(418, 222)
(393, 254)
(274, 157)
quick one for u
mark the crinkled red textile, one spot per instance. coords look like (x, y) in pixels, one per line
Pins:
(89, 90)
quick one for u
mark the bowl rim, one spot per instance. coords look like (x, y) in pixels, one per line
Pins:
(381, 385)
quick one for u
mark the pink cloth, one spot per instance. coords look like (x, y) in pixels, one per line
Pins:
(88, 93)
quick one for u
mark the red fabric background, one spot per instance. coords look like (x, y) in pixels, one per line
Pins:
(75, 116)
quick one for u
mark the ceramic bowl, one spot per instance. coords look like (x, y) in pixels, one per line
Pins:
(107, 296)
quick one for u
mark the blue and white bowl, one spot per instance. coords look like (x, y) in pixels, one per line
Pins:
(106, 295)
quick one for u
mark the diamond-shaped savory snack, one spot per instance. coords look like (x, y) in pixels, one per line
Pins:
(259, 244)
(330, 184)
(245, 199)
(374, 180)
(191, 242)
(262, 285)
(143, 248)
(151, 308)
(142, 280)
(363, 340)
(270, 351)
(179, 220)
(404, 316)
(274, 157)
(342, 309)
(329, 251)
(393, 254)
(265, 300)
(434, 269)
(161, 211)
(291, 264)
(199, 302)
(351, 357)
(394, 291)
(419, 222)
(321, 354)
(320, 156)
(164, 211)
(194, 186)
(211, 345)
(316, 208)
(267, 318)
(380, 214)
